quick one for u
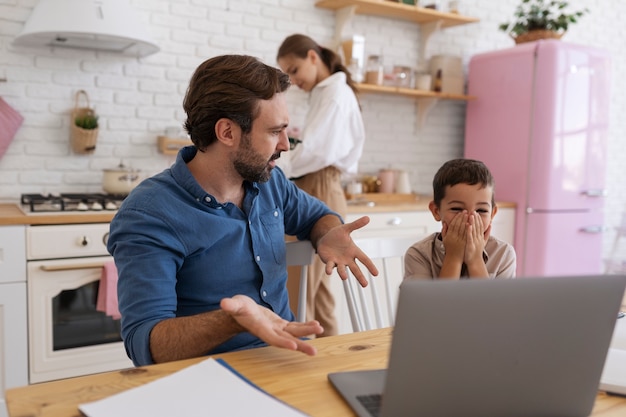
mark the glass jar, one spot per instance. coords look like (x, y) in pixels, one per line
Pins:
(403, 76)
(374, 70)
(423, 81)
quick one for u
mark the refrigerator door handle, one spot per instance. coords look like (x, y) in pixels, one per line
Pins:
(597, 192)
(592, 229)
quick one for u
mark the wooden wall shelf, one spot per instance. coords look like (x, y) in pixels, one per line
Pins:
(410, 92)
(426, 100)
(395, 10)
(430, 22)
(171, 146)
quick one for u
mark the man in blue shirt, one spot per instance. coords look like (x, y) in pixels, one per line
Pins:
(200, 247)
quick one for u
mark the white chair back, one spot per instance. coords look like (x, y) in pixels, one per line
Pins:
(300, 253)
(374, 306)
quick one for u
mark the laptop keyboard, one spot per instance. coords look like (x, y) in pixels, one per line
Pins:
(371, 403)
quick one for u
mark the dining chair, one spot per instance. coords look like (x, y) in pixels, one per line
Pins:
(300, 253)
(374, 306)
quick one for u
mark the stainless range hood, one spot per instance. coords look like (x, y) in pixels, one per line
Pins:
(107, 25)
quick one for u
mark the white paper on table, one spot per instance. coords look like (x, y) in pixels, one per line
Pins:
(204, 389)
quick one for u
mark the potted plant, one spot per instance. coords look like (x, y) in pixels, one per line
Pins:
(87, 121)
(541, 19)
(84, 130)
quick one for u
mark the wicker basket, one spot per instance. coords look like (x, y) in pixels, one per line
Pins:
(537, 34)
(83, 140)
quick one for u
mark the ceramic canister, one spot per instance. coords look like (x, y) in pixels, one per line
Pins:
(387, 178)
(403, 185)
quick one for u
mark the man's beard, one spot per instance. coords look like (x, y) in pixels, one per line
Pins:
(251, 165)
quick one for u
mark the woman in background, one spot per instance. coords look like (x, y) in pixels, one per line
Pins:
(332, 140)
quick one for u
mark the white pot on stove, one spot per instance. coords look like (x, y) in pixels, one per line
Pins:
(120, 180)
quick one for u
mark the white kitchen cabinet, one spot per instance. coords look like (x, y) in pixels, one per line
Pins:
(503, 225)
(421, 223)
(13, 330)
(13, 342)
(417, 224)
(396, 223)
(12, 254)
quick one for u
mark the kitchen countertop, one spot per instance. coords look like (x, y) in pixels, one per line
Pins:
(383, 203)
(11, 214)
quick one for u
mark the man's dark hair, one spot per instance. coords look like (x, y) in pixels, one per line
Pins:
(461, 171)
(228, 86)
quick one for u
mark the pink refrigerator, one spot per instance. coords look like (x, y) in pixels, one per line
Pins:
(540, 122)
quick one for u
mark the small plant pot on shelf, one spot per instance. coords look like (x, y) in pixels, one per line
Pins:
(541, 19)
(535, 35)
(84, 130)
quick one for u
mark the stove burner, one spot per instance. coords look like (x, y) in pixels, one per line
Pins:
(39, 203)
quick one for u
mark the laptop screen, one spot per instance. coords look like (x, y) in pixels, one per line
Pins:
(523, 347)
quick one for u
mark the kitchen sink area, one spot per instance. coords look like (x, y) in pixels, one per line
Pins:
(361, 202)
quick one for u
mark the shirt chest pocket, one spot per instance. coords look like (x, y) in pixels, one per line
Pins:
(274, 228)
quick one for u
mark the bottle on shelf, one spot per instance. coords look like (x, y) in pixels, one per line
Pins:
(438, 81)
(354, 56)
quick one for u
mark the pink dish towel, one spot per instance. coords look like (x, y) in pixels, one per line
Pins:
(10, 121)
(107, 294)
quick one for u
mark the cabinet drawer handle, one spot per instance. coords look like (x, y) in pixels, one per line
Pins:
(71, 267)
(396, 221)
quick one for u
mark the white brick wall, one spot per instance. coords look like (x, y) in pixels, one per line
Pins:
(138, 98)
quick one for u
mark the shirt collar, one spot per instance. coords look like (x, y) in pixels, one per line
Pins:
(182, 175)
(336, 77)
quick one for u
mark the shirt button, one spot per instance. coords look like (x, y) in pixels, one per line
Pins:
(207, 199)
(264, 293)
(258, 258)
(275, 214)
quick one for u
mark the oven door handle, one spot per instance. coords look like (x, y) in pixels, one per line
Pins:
(71, 267)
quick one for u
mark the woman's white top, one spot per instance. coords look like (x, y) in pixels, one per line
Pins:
(333, 133)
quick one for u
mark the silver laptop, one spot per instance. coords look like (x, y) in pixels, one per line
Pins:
(525, 347)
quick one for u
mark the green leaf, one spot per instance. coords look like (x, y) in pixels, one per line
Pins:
(540, 14)
(87, 122)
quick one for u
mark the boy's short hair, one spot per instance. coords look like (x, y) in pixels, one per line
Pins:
(461, 171)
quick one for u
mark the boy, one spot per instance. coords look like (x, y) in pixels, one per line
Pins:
(464, 202)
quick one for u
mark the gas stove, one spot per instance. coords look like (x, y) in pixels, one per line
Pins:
(86, 202)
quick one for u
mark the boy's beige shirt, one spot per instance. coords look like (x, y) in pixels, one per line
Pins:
(423, 260)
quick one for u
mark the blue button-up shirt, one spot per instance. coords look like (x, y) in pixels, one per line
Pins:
(178, 251)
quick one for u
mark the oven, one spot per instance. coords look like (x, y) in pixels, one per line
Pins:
(67, 335)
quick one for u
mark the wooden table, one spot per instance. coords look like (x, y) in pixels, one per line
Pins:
(293, 377)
